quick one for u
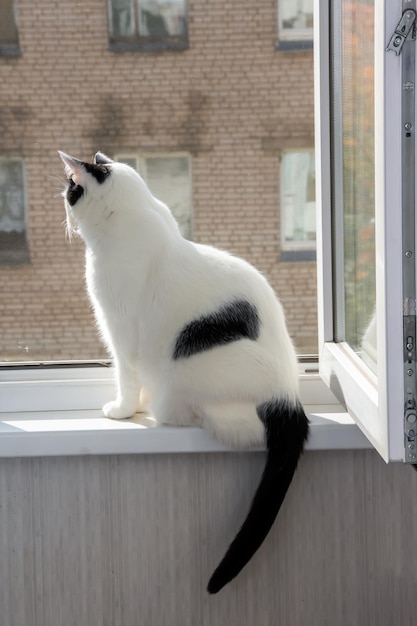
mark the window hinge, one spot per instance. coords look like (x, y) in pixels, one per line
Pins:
(406, 24)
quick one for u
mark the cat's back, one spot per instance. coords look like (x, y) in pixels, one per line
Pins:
(203, 280)
(229, 276)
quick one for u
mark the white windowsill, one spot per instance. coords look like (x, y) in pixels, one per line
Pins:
(56, 413)
(88, 432)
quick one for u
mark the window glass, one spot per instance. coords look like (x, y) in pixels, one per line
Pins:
(12, 204)
(169, 178)
(13, 245)
(122, 19)
(298, 203)
(162, 17)
(8, 28)
(144, 21)
(295, 19)
(354, 194)
(209, 129)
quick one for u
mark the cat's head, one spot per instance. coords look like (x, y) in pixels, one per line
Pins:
(95, 191)
(87, 183)
(105, 197)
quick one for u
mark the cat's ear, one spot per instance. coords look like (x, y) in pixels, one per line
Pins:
(101, 159)
(73, 167)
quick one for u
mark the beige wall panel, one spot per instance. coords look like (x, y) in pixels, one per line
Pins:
(123, 541)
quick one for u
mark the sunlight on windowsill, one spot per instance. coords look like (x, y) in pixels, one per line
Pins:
(56, 433)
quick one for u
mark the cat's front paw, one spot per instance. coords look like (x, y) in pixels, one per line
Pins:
(117, 410)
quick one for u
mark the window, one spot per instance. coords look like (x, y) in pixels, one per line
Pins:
(148, 25)
(298, 206)
(366, 250)
(353, 141)
(169, 179)
(9, 39)
(13, 242)
(295, 24)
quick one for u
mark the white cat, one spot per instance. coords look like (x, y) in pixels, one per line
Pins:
(197, 336)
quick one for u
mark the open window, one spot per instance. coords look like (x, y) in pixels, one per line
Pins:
(365, 155)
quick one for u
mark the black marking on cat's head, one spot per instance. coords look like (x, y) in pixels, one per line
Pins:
(75, 170)
(231, 322)
(99, 172)
(73, 193)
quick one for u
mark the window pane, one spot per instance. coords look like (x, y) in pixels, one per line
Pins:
(298, 204)
(122, 21)
(8, 30)
(169, 180)
(355, 197)
(12, 203)
(162, 17)
(13, 242)
(295, 16)
(219, 102)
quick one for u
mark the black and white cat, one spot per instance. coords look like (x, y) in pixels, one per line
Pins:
(197, 336)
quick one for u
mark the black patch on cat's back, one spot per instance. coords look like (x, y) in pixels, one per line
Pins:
(231, 322)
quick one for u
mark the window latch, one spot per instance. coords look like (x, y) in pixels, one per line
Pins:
(404, 26)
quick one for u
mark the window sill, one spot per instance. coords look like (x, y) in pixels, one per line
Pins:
(298, 256)
(10, 50)
(69, 433)
(55, 411)
(294, 45)
(163, 45)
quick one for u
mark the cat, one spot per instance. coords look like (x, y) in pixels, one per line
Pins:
(197, 336)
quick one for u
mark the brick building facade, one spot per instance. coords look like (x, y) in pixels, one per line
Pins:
(227, 97)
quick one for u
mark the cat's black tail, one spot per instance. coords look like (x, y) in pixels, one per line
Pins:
(286, 427)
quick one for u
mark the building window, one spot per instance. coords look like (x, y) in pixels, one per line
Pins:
(13, 241)
(295, 24)
(169, 179)
(9, 38)
(148, 25)
(298, 206)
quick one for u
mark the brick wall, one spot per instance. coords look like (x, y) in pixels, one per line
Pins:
(231, 100)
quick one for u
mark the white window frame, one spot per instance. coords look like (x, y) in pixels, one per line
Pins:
(374, 400)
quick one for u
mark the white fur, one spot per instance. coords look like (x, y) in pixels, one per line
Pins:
(146, 282)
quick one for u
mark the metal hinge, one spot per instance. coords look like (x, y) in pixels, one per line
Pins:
(404, 26)
(403, 41)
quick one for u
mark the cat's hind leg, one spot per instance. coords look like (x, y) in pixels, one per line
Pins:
(170, 410)
(234, 423)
